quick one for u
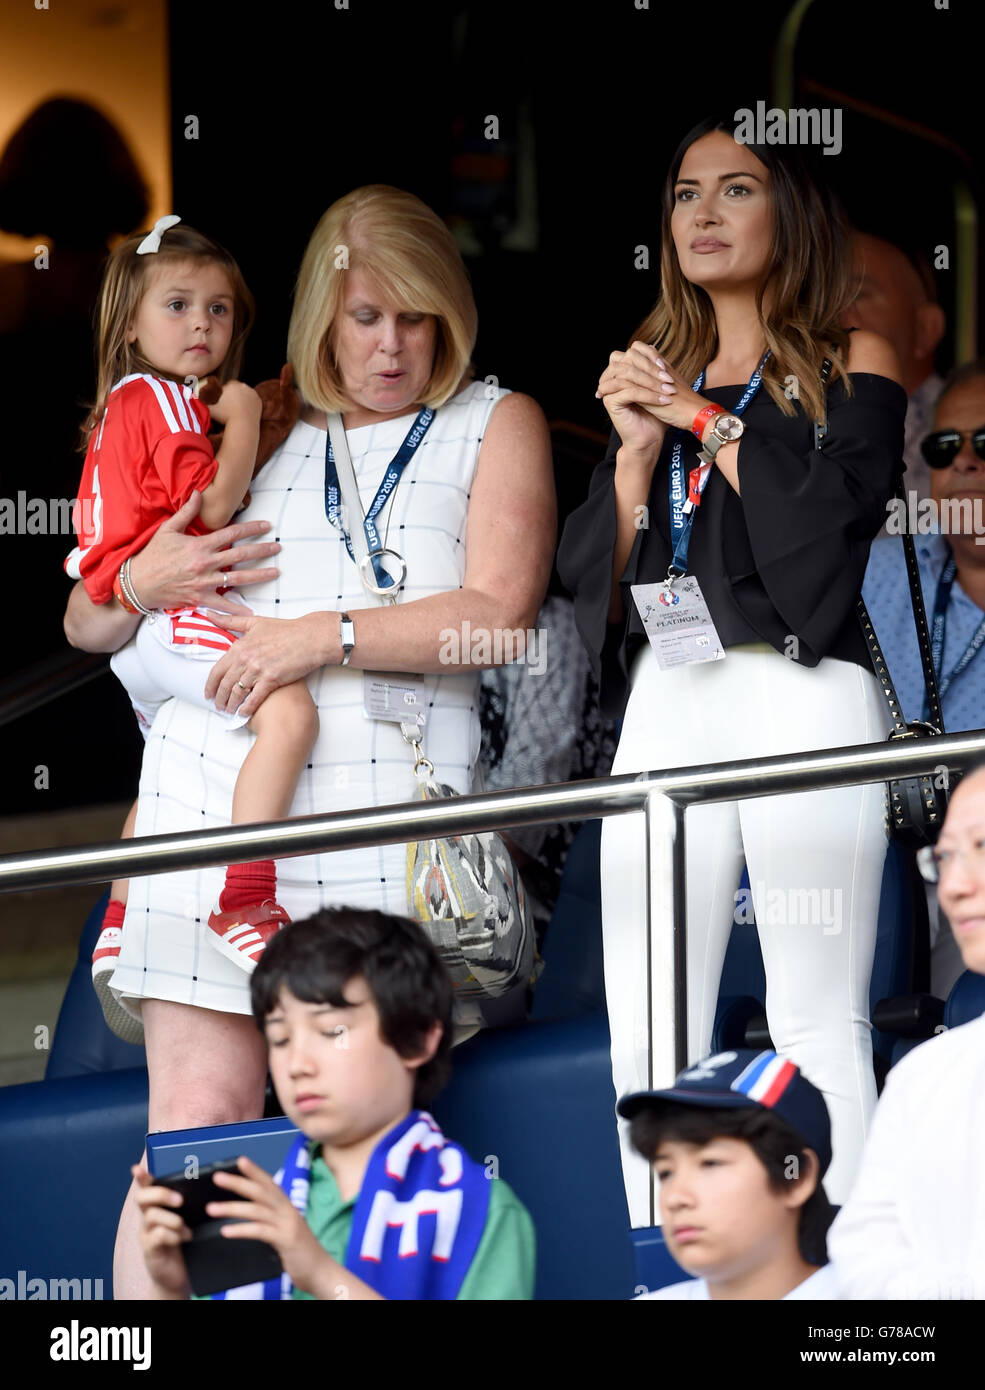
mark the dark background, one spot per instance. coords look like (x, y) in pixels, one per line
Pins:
(299, 103)
(398, 93)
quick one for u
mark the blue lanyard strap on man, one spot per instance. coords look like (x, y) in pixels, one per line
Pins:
(943, 597)
(681, 509)
(394, 472)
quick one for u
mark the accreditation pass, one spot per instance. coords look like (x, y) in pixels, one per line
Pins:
(394, 696)
(678, 623)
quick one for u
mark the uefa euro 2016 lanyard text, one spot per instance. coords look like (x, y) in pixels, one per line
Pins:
(676, 618)
(382, 583)
(941, 600)
(399, 697)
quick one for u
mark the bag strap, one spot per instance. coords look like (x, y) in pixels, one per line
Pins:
(916, 603)
(936, 714)
(881, 669)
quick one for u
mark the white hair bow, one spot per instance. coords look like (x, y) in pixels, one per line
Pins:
(152, 241)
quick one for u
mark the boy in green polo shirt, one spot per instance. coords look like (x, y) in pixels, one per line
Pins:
(373, 1201)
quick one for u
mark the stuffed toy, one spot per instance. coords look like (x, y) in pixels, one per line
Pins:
(280, 409)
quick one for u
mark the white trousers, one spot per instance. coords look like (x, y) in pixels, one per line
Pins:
(153, 670)
(815, 863)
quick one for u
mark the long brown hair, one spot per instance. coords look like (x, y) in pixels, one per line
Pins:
(809, 271)
(124, 283)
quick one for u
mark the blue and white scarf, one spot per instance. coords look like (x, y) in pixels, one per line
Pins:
(419, 1216)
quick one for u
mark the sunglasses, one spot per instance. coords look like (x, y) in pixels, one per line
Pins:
(941, 448)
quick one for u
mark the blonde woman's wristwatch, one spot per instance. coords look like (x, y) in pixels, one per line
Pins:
(725, 429)
(347, 633)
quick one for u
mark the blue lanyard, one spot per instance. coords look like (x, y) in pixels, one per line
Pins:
(333, 502)
(682, 515)
(942, 599)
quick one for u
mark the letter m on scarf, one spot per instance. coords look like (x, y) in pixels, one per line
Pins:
(388, 1212)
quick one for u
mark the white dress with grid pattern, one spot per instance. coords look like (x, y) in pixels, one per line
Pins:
(191, 759)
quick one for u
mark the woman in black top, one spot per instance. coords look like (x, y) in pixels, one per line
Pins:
(755, 261)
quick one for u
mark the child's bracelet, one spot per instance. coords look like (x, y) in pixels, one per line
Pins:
(121, 597)
(126, 594)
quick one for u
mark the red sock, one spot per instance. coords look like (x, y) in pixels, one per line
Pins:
(114, 914)
(248, 885)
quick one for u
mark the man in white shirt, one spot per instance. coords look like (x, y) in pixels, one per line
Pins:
(914, 1226)
(740, 1143)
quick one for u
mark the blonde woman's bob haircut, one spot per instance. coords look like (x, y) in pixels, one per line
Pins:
(411, 255)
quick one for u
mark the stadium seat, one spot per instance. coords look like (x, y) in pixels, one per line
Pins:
(902, 940)
(964, 1004)
(65, 1153)
(539, 1100)
(571, 984)
(966, 1000)
(742, 992)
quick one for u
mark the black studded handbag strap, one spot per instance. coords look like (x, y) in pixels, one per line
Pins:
(936, 714)
(880, 668)
(916, 603)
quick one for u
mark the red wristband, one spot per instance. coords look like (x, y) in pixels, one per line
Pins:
(121, 598)
(702, 418)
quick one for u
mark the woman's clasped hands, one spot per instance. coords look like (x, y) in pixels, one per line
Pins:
(644, 394)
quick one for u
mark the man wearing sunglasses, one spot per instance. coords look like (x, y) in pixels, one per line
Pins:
(914, 1225)
(952, 575)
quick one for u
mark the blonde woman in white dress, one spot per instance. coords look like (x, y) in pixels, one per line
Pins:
(383, 326)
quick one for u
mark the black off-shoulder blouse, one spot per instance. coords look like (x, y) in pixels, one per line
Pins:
(785, 559)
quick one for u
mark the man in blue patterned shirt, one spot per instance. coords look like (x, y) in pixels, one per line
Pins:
(951, 558)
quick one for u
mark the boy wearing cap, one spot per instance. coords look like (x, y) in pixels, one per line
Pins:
(740, 1143)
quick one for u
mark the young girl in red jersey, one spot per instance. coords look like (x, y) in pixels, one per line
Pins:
(174, 309)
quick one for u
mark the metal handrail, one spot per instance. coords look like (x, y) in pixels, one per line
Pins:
(663, 796)
(396, 824)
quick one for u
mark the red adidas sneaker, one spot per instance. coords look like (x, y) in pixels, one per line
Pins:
(104, 961)
(242, 935)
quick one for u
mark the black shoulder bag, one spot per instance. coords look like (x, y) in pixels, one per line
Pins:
(915, 806)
